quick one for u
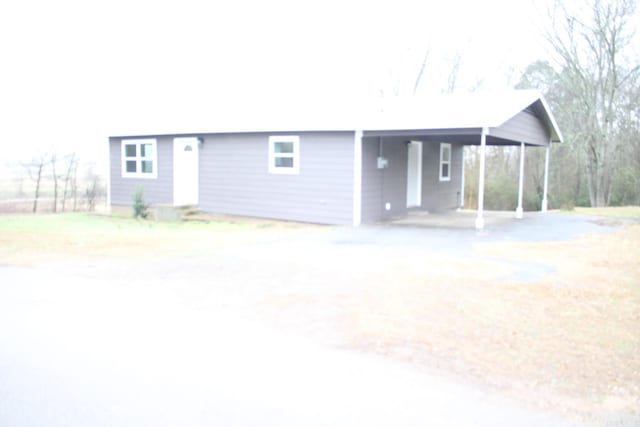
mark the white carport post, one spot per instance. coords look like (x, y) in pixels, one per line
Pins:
(483, 147)
(545, 203)
(461, 204)
(357, 178)
(108, 175)
(519, 210)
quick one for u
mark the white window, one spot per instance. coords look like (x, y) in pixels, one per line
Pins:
(284, 154)
(445, 162)
(139, 158)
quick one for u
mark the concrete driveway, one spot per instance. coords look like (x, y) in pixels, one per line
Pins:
(142, 346)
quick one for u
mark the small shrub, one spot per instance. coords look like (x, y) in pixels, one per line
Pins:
(140, 207)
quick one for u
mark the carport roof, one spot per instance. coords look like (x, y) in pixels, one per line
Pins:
(443, 112)
(465, 111)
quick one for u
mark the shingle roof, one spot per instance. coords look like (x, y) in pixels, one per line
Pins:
(452, 111)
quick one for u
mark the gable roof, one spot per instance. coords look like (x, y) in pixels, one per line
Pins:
(453, 111)
(465, 111)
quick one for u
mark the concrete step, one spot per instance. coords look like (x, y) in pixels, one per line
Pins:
(165, 212)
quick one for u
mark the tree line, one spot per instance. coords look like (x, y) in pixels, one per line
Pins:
(591, 82)
(58, 176)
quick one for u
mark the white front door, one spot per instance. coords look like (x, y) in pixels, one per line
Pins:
(414, 174)
(185, 171)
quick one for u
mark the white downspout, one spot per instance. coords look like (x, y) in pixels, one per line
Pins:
(545, 203)
(483, 146)
(519, 210)
(357, 178)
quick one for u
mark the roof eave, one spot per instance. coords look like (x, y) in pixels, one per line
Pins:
(555, 130)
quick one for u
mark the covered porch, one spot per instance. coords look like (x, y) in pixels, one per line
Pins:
(410, 183)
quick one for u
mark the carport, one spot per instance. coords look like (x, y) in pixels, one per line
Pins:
(513, 118)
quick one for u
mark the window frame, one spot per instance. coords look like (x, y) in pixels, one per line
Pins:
(443, 146)
(295, 155)
(138, 158)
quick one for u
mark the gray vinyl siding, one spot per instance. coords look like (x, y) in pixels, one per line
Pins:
(156, 190)
(382, 186)
(524, 127)
(394, 189)
(234, 178)
(440, 195)
(372, 205)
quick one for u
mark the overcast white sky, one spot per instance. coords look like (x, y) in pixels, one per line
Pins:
(73, 71)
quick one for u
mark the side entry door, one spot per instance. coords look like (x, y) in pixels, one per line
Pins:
(185, 171)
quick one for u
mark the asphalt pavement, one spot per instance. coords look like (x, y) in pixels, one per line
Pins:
(80, 351)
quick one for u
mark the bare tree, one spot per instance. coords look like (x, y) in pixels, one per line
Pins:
(55, 182)
(626, 180)
(401, 74)
(567, 186)
(393, 87)
(452, 78)
(421, 71)
(91, 194)
(35, 169)
(74, 187)
(71, 168)
(95, 188)
(590, 44)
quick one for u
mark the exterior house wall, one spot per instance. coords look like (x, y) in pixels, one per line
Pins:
(372, 205)
(234, 178)
(394, 189)
(382, 186)
(524, 127)
(389, 185)
(156, 190)
(440, 195)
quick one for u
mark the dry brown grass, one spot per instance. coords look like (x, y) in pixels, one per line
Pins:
(568, 341)
(611, 211)
(32, 239)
